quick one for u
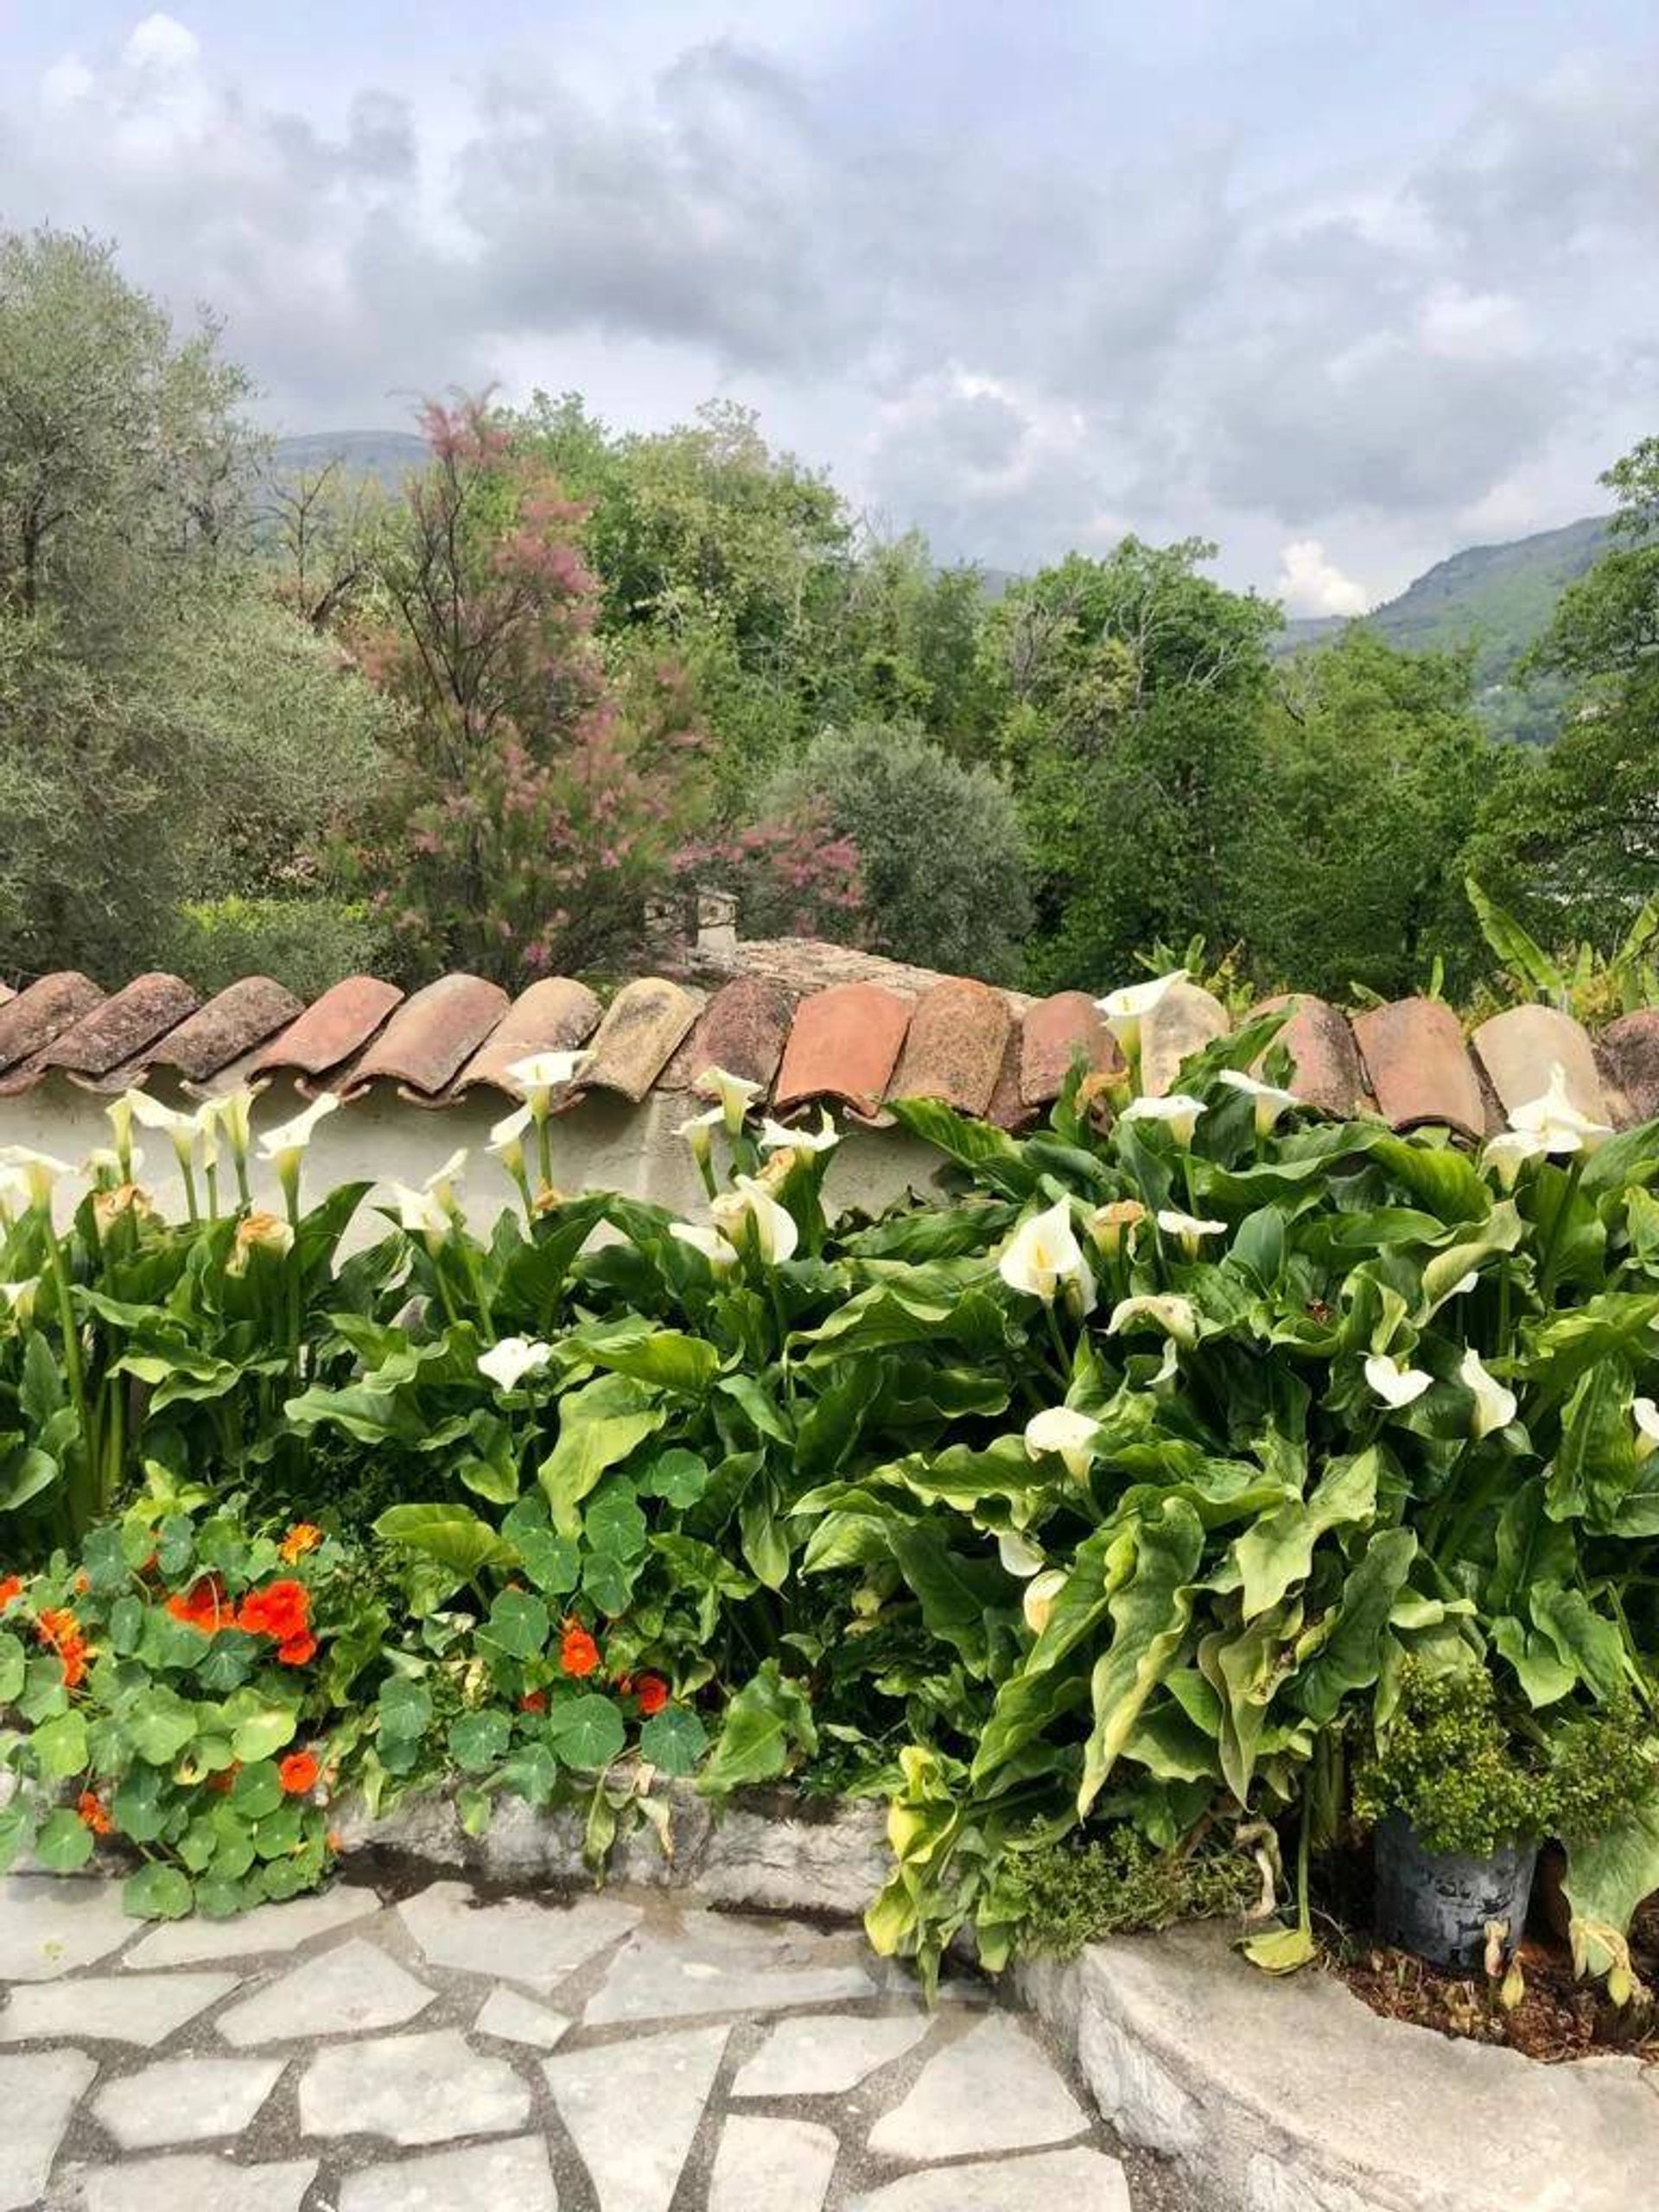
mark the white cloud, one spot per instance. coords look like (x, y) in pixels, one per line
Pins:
(161, 42)
(1309, 584)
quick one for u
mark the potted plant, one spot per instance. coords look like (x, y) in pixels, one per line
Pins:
(1458, 1818)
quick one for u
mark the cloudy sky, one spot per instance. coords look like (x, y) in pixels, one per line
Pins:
(1344, 288)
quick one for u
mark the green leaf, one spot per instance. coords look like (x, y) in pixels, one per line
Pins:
(990, 1154)
(64, 1843)
(158, 1892)
(140, 1805)
(613, 1522)
(159, 1723)
(674, 1739)
(1281, 1950)
(1352, 1655)
(552, 1563)
(609, 1582)
(665, 1356)
(767, 1724)
(257, 1790)
(60, 1747)
(477, 1741)
(586, 1732)
(1149, 1611)
(1521, 955)
(1607, 1878)
(13, 1666)
(452, 1535)
(599, 1426)
(259, 1724)
(1277, 1551)
(678, 1477)
(518, 1625)
(405, 1708)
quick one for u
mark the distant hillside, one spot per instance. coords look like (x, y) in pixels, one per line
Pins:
(1498, 598)
(386, 456)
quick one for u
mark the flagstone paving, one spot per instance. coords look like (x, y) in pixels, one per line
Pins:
(459, 2049)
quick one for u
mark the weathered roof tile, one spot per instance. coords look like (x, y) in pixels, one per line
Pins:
(1183, 1022)
(33, 1021)
(1009, 1108)
(1414, 1057)
(1053, 1032)
(644, 1022)
(242, 1016)
(1326, 1072)
(843, 1043)
(1520, 1047)
(958, 1033)
(741, 1030)
(123, 1026)
(431, 1035)
(555, 1016)
(330, 1029)
(1627, 1057)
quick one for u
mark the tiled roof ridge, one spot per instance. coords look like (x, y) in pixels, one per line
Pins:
(807, 1023)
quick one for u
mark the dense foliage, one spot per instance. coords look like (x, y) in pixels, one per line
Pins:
(1128, 1487)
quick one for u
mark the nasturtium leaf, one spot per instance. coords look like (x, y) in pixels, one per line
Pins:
(13, 1666)
(157, 1893)
(140, 1806)
(612, 1522)
(176, 1547)
(219, 1897)
(197, 1846)
(60, 1747)
(285, 1878)
(405, 1709)
(677, 1477)
(674, 1739)
(103, 1560)
(159, 1723)
(259, 1724)
(586, 1732)
(552, 1563)
(276, 1833)
(14, 1831)
(609, 1582)
(64, 1843)
(477, 1739)
(518, 1625)
(126, 1624)
(257, 1790)
(531, 1773)
(228, 1660)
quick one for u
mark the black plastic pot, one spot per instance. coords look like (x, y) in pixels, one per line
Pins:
(1438, 1903)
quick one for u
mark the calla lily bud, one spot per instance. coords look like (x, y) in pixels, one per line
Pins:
(507, 1140)
(1645, 1413)
(282, 1148)
(259, 1232)
(699, 1133)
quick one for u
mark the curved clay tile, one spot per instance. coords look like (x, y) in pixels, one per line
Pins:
(636, 1040)
(1520, 1047)
(843, 1043)
(432, 1034)
(1418, 1067)
(1009, 1108)
(1053, 1032)
(742, 1029)
(229, 1026)
(554, 1015)
(330, 1030)
(33, 1020)
(1627, 1058)
(123, 1027)
(1183, 1022)
(958, 1033)
(1326, 1072)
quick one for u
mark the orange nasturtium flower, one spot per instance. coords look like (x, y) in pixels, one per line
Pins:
(94, 1813)
(204, 1605)
(58, 1627)
(578, 1653)
(11, 1587)
(533, 1701)
(281, 1611)
(297, 1650)
(298, 1773)
(304, 1536)
(652, 1693)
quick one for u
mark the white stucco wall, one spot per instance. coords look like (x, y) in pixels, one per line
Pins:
(603, 1143)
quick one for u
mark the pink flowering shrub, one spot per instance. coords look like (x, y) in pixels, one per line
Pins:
(793, 876)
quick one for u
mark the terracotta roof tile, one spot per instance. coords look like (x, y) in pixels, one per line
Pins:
(1414, 1057)
(1627, 1057)
(1327, 1072)
(228, 1028)
(742, 1029)
(1519, 1048)
(429, 1037)
(555, 1016)
(1009, 1108)
(121, 1028)
(843, 1043)
(1184, 1021)
(330, 1029)
(646, 1020)
(959, 1034)
(33, 1021)
(1053, 1033)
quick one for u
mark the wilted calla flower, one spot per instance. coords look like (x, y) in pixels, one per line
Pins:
(1556, 1121)
(507, 1364)
(1270, 1101)
(1645, 1413)
(1396, 1385)
(1040, 1591)
(259, 1232)
(1188, 1228)
(1176, 1316)
(1043, 1258)
(749, 1208)
(1177, 1113)
(1066, 1433)
(1506, 1155)
(709, 1241)
(1108, 1225)
(284, 1148)
(1127, 1009)
(1494, 1405)
(1018, 1557)
(37, 1173)
(543, 1073)
(507, 1139)
(736, 1093)
(774, 1137)
(120, 1202)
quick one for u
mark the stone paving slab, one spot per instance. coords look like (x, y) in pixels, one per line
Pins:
(50, 1926)
(783, 2165)
(139, 2009)
(826, 2053)
(280, 1928)
(517, 1939)
(195, 2184)
(513, 2018)
(603, 2095)
(513, 2175)
(185, 2100)
(344, 1992)
(995, 2088)
(420, 2088)
(713, 1963)
(1063, 2181)
(37, 2095)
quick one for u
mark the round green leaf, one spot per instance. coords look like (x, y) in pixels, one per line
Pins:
(678, 1477)
(552, 1563)
(477, 1739)
(60, 1747)
(13, 1666)
(139, 1805)
(158, 1892)
(609, 1582)
(586, 1732)
(519, 1623)
(674, 1739)
(259, 1724)
(159, 1723)
(64, 1843)
(256, 1791)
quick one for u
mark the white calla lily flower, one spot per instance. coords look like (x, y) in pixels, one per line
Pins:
(37, 1173)
(774, 1137)
(442, 1180)
(14, 1191)
(119, 1114)
(1645, 1413)
(17, 1298)
(540, 1074)
(233, 1109)
(698, 1130)
(1507, 1154)
(1125, 1010)
(1557, 1123)
(421, 1213)
(506, 1141)
(507, 1364)
(1177, 1113)
(206, 1125)
(1396, 1385)
(1268, 1100)
(1043, 1258)
(1188, 1228)
(1019, 1557)
(1495, 1406)
(749, 1209)
(1065, 1433)
(736, 1095)
(1177, 1318)
(1037, 1602)
(282, 1148)
(709, 1241)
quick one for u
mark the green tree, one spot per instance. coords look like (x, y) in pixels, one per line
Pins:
(1375, 766)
